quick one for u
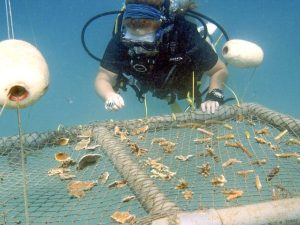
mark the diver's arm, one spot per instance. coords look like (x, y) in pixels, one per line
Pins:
(218, 76)
(104, 83)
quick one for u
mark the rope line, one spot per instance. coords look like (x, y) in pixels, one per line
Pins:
(25, 179)
(9, 20)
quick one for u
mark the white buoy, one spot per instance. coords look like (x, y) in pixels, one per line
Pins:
(242, 54)
(24, 75)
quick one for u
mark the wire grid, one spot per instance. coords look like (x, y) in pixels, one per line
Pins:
(49, 201)
(205, 195)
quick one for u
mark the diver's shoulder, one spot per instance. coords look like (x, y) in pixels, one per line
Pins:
(182, 22)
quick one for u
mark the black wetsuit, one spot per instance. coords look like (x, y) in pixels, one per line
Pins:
(153, 73)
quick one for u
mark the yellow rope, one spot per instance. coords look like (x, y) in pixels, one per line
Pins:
(189, 99)
(193, 94)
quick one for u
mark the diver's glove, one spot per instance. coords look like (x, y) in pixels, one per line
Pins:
(114, 102)
(215, 95)
(213, 100)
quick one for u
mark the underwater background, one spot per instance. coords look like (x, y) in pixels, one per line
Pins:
(54, 27)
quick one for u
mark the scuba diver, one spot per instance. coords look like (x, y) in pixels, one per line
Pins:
(157, 49)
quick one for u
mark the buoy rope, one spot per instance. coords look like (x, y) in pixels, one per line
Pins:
(248, 83)
(5, 103)
(23, 160)
(9, 20)
(234, 94)
(2, 108)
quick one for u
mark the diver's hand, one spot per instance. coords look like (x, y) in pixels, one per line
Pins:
(114, 102)
(210, 106)
(213, 100)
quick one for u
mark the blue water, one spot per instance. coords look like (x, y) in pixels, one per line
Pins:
(55, 27)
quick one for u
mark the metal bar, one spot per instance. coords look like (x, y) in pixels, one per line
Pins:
(285, 211)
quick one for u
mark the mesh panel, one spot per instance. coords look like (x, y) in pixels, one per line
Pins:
(49, 200)
(156, 191)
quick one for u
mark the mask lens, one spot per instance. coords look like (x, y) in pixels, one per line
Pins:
(147, 41)
(145, 45)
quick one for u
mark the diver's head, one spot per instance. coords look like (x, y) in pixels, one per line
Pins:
(142, 22)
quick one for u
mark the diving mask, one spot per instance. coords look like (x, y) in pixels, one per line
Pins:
(141, 26)
(147, 41)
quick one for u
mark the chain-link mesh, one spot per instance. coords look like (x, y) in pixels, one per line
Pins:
(157, 166)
